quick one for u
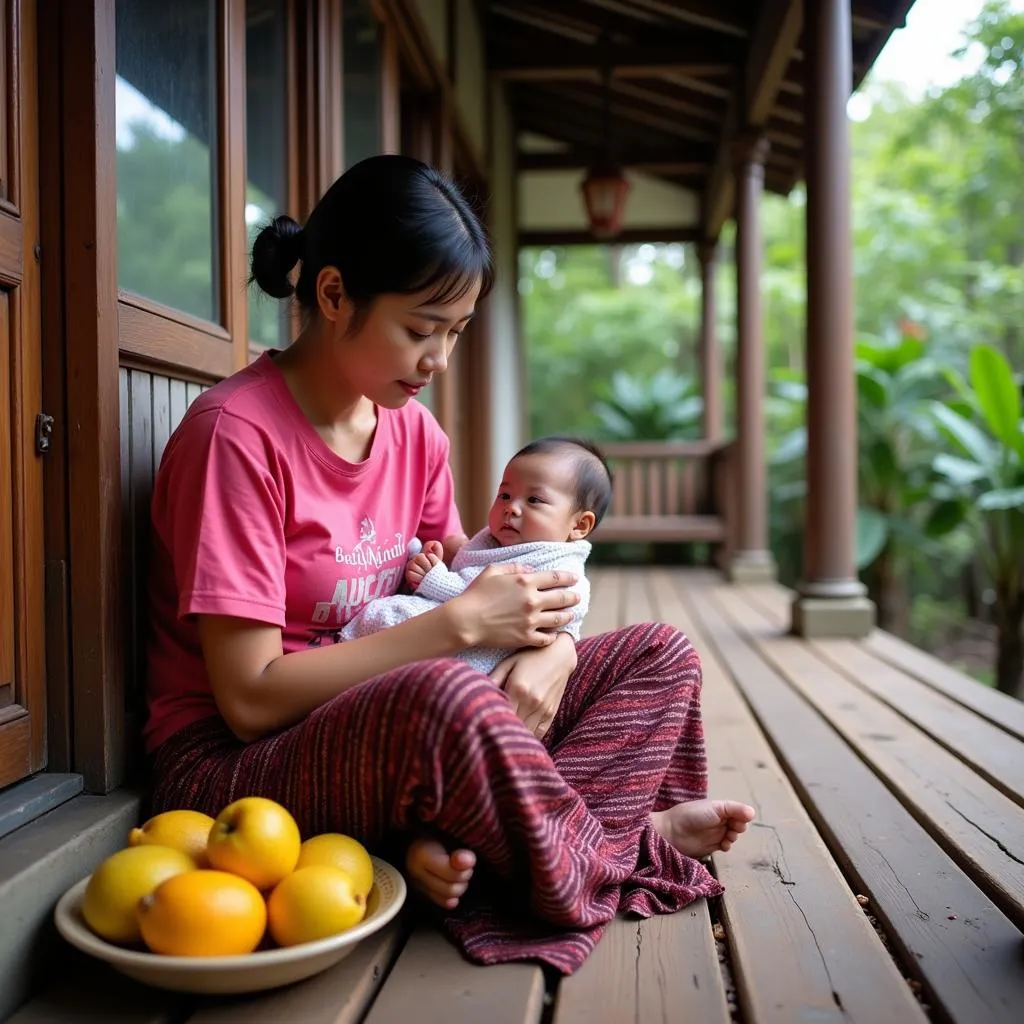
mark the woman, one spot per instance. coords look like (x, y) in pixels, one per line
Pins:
(286, 500)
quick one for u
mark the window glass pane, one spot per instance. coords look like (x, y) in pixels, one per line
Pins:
(361, 82)
(167, 152)
(266, 149)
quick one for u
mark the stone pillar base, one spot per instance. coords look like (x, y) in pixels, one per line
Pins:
(752, 567)
(816, 618)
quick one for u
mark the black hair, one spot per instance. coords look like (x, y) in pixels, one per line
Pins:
(390, 225)
(594, 480)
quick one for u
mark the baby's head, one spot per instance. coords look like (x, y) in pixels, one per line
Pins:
(554, 489)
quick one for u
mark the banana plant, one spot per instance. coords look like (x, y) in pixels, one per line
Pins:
(985, 477)
(663, 407)
(897, 519)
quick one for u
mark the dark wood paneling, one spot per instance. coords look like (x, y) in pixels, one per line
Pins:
(151, 407)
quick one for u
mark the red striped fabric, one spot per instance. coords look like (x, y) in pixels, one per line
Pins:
(561, 829)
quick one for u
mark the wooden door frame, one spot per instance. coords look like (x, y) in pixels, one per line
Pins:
(24, 726)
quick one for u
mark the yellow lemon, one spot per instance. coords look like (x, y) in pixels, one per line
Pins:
(313, 903)
(338, 851)
(182, 830)
(117, 885)
(255, 838)
(203, 913)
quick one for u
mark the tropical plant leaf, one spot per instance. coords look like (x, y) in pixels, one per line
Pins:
(871, 387)
(998, 395)
(792, 447)
(945, 517)
(961, 472)
(968, 436)
(872, 534)
(1001, 499)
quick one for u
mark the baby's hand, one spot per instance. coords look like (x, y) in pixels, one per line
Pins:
(419, 565)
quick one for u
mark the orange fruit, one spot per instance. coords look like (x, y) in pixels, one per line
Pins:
(117, 885)
(181, 830)
(339, 851)
(203, 913)
(313, 903)
(255, 838)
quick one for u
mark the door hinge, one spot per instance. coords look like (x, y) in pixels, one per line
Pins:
(44, 431)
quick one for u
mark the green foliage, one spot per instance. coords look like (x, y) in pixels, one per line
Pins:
(664, 407)
(986, 476)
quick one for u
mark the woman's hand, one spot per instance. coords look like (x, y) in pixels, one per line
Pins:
(513, 606)
(535, 682)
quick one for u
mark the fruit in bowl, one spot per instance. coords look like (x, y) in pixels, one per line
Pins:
(255, 838)
(111, 899)
(203, 913)
(195, 886)
(187, 831)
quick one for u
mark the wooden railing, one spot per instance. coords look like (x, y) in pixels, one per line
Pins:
(667, 491)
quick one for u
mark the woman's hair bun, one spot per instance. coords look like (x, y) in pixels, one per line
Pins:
(278, 247)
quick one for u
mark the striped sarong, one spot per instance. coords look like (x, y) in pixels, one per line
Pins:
(561, 828)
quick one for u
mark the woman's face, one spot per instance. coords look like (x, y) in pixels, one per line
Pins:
(401, 343)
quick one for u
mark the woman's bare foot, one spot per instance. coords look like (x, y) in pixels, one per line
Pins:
(437, 874)
(700, 827)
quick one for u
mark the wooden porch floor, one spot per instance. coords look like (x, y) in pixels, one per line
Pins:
(883, 880)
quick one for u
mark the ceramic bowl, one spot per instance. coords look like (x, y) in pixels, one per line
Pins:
(233, 975)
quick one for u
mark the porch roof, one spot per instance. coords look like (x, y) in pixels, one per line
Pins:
(685, 77)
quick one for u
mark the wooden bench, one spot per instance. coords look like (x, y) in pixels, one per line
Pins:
(882, 882)
(666, 491)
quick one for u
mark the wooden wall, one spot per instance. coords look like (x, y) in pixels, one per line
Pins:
(152, 406)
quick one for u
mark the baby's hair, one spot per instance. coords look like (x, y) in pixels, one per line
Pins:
(594, 479)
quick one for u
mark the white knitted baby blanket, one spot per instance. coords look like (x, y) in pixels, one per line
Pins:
(441, 584)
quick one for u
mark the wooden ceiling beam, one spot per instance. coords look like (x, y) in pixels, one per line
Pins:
(776, 37)
(637, 113)
(584, 126)
(668, 101)
(720, 90)
(542, 62)
(628, 236)
(726, 16)
(667, 164)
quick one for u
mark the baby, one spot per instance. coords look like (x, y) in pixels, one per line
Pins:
(552, 495)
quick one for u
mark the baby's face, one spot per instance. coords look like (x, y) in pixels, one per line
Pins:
(535, 501)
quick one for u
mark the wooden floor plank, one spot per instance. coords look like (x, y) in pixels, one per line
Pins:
(994, 753)
(1003, 711)
(340, 995)
(638, 607)
(802, 948)
(948, 933)
(657, 971)
(975, 823)
(89, 991)
(605, 613)
(433, 984)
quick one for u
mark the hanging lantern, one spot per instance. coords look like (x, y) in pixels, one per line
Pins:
(605, 187)
(605, 190)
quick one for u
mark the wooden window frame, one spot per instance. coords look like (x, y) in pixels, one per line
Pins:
(159, 336)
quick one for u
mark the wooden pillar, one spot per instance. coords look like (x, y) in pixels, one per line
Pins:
(831, 599)
(710, 356)
(752, 559)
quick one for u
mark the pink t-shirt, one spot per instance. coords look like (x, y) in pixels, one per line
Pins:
(255, 517)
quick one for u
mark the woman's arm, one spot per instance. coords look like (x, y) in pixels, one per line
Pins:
(534, 680)
(260, 690)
